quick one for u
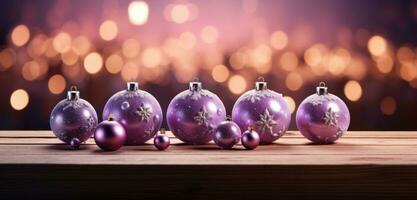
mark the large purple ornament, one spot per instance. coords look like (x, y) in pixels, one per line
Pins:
(227, 134)
(109, 135)
(323, 117)
(137, 111)
(263, 109)
(193, 114)
(73, 119)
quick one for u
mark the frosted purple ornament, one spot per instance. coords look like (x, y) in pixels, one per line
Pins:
(193, 114)
(161, 141)
(322, 117)
(73, 119)
(109, 135)
(137, 111)
(263, 109)
(250, 139)
(227, 134)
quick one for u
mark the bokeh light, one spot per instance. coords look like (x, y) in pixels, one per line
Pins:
(114, 64)
(20, 35)
(294, 81)
(56, 84)
(237, 84)
(353, 90)
(278, 40)
(93, 62)
(209, 34)
(388, 105)
(62, 42)
(220, 73)
(108, 30)
(138, 12)
(377, 45)
(19, 99)
(291, 103)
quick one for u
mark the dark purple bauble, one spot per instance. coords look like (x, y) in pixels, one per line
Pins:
(322, 117)
(137, 111)
(227, 134)
(265, 110)
(73, 118)
(109, 135)
(161, 141)
(193, 114)
(250, 139)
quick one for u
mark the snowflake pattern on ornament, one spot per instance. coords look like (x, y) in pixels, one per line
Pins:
(330, 117)
(73, 104)
(203, 117)
(131, 94)
(196, 95)
(144, 112)
(254, 96)
(339, 133)
(90, 123)
(266, 121)
(148, 132)
(317, 100)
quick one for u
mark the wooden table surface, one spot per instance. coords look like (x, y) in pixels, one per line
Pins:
(361, 164)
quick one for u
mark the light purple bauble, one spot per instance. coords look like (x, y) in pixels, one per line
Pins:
(73, 119)
(227, 134)
(193, 114)
(137, 111)
(250, 139)
(264, 110)
(109, 135)
(161, 142)
(323, 117)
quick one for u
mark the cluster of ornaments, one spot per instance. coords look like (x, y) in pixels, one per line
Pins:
(197, 116)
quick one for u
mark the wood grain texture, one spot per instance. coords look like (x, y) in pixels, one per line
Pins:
(361, 165)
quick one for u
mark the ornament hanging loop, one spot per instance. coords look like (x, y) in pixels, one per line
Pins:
(321, 89)
(73, 93)
(195, 85)
(132, 86)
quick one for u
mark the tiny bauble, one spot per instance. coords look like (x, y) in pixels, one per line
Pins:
(193, 114)
(137, 111)
(227, 134)
(322, 117)
(250, 139)
(161, 141)
(109, 135)
(265, 110)
(73, 119)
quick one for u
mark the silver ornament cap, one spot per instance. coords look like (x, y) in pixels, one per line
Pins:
(73, 94)
(261, 84)
(321, 89)
(132, 86)
(195, 85)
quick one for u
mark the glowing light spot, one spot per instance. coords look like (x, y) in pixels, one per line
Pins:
(114, 64)
(151, 57)
(19, 99)
(388, 105)
(130, 71)
(69, 57)
(81, 45)
(291, 103)
(93, 63)
(353, 90)
(209, 34)
(108, 30)
(288, 61)
(56, 84)
(238, 60)
(385, 64)
(31, 70)
(313, 56)
(130, 48)
(20, 35)
(220, 73)
(138, 12)
(294, 81)
(377, 45)
(180, 13)
(278, 40)
(187, 40)
(7, 59)
(405, 54)
(62, 42)
(237, 84)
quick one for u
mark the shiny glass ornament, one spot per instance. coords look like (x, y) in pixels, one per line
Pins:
(263, 109)
(322, 117)
(250, 139)
(109, 135)
(161, 141)
(137, 111)
(227, 134)
(73, 119)
(193, 114)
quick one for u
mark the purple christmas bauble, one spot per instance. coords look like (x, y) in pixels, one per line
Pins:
(73, 119)
(193, 114)
(323, 117)
(137, 111)
(227, 134)
(263, 109)
(250, 139)
(109, 135)
(161, 141)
